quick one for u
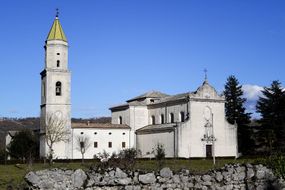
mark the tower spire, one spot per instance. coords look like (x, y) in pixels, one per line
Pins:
(56, 31)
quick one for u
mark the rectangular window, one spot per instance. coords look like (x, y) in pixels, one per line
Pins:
(95, 144)
(110, 144)
(123, 144)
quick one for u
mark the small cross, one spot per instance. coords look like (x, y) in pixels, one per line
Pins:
(206, 76)
(57, 12)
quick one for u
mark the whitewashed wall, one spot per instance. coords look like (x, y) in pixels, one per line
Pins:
(138, 119)
(147, 142)
(175, 109)
(125, 114)
(102, 136)
(52, 48)
(191, 133)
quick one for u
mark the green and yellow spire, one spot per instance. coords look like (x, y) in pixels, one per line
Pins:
(56, 31)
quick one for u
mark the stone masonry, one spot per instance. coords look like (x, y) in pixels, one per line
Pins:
(227, 178)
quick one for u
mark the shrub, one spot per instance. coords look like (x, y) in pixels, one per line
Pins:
(2, 155)
(103, 160)
(159, 154)
(127, 158)
(277, 163)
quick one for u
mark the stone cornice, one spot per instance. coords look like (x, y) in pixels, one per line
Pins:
(207, 100)
(167, 103)
(151, 131)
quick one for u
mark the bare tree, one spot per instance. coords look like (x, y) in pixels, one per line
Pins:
(83, 144)
(55, 132)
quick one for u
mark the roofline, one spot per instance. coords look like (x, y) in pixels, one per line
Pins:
(133, 99)
(169, 103)
(119, 107)
(157, 130)
(90, 127)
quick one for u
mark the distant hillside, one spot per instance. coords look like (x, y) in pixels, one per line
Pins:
(15, 124)
(9, 124)
(92, 120)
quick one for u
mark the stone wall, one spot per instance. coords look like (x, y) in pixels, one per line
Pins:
(227, 178)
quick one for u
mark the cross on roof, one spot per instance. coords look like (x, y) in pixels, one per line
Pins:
(206, 76)
(57, 12)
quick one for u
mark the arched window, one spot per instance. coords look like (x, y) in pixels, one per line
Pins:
(120, 120)
(153, 120)
(162, 119)
(171, 115)
(182, 116)
(58, 63)
(58, 88)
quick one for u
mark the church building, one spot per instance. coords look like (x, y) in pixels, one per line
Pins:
(188, 125)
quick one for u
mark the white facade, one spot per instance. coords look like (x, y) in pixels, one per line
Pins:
(187, 125)
(111, 140)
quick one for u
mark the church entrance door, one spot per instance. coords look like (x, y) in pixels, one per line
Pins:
(209, 151)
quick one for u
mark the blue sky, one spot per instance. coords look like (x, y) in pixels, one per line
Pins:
(122, 48)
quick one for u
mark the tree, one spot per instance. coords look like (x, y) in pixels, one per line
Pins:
(55, 132)
(272, 110)
(83, 144)
(235, 110)
(235, 113)
(24, 145)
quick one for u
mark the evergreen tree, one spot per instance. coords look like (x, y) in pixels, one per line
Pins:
(272, 109)
(24, 146)
(235, 113)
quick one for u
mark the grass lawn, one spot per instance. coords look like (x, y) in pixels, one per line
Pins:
(196, 166)
(14, 174)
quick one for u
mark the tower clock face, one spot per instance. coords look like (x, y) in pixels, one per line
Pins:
(207, 113)
(58, 114)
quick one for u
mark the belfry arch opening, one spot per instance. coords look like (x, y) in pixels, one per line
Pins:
(58, 89)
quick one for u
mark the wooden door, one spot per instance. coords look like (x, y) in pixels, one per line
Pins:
(209, 151)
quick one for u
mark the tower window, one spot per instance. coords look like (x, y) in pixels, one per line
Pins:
(110, 144)
(58, 88)
(153, 120)
(162, 119)
(120, 120)
(58, 63)
(171, 118)
(123, 144)
(57, 53)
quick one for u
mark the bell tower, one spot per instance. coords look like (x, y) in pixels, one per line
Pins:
(55, 90)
